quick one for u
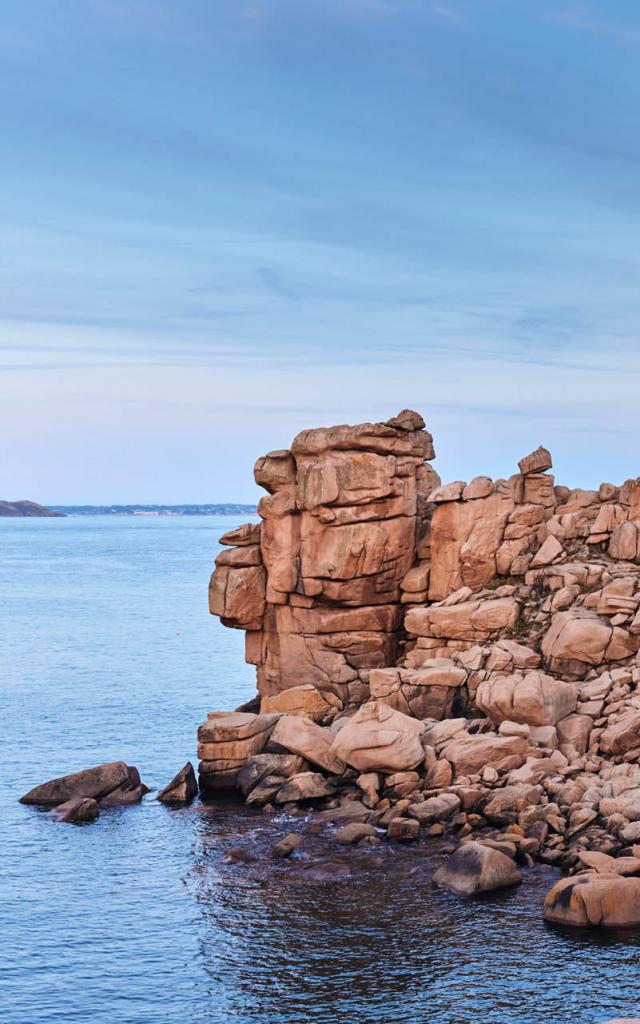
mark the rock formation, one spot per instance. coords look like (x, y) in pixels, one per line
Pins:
(463, 656)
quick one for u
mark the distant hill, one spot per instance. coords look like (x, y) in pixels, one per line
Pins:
(26, 508)
(227, 509)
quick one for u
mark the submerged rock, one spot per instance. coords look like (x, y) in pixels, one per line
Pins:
(286, 846)
(78, 811)
(475, 868)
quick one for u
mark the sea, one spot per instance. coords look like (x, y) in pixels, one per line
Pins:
(147, 916)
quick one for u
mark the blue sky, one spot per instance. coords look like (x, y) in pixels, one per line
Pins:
(226, 221)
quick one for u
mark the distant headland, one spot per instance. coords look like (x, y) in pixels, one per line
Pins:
(27, 508)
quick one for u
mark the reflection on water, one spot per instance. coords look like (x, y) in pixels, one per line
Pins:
(138, 918)
(387, 945)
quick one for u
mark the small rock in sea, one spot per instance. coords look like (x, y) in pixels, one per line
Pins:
(182, 789)
(238, 855)
(285, 847)
(95, 782)
(475, 868)
(353, 833)
(78, 811)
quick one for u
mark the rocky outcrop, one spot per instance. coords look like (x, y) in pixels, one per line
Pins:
(457, 659)
(26, 508)
(97, 783)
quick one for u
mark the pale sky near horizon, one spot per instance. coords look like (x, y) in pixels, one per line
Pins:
(226, 221)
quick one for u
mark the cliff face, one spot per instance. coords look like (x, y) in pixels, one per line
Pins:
(26, 508)
(318, 585)
(462, 654)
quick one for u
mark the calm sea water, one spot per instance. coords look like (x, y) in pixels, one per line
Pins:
(108, 651)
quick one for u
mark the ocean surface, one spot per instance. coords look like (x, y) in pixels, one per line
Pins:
(107, 652)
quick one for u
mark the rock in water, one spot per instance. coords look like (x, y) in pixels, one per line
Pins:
(95, 782)
(286, 846)
(182, 788)
(475, 868)
(606, 900)
(78, 812)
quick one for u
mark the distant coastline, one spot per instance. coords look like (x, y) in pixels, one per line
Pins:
(225, 509)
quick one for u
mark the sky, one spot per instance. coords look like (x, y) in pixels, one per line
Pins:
(225, 221)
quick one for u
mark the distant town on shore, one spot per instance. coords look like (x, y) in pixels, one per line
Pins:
(15, 509)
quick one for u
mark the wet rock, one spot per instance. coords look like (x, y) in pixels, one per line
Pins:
(594, 899)
(353, 832)
(286, 846)
(475, 868)
(92, 782)
(182, 789)
(77, 811)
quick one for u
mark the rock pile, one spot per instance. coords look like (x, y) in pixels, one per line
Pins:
(460, 656)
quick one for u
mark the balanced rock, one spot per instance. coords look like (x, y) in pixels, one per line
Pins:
(475, 868)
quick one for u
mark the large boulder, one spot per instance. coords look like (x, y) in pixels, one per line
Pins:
(575, 638)
(531, 697)
(506, 804)
(475, 868)
(471, 754)
(95, 782)
(623, 734)
(594, 899)
(302, 736)
(378, 738)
